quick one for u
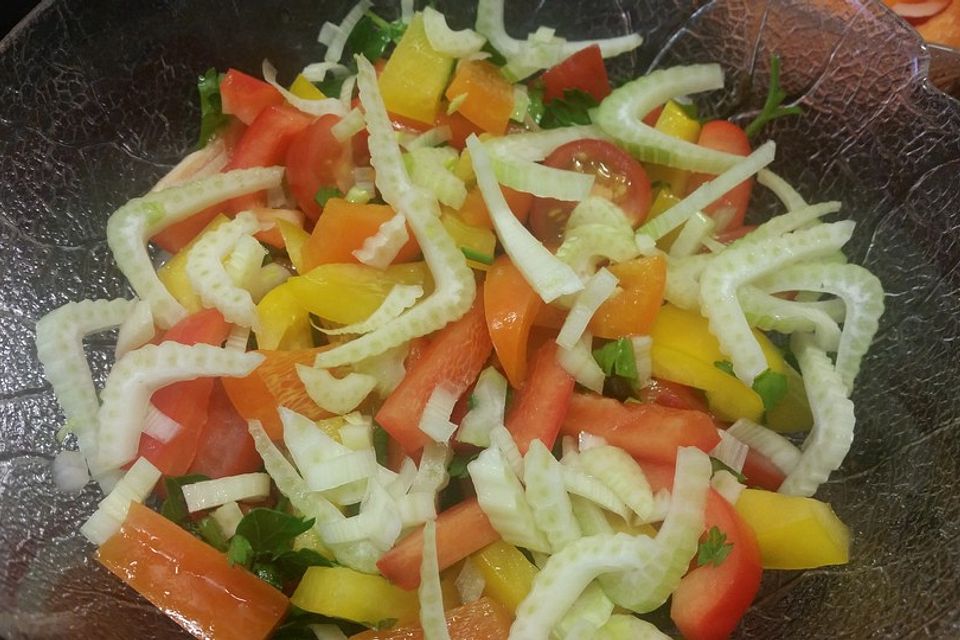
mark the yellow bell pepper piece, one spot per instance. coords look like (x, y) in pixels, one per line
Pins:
(674, 122)
(476, 240)
(685, 351)
(792, 413)
(464, 169)
(341, 592)
(413, 80)
(284, 323)
(303, 88)
(662, 203)
(294, 238)
(173, 273)
(507, 573)
(794, 532)
(348, 293)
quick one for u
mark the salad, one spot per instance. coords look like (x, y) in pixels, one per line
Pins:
(451, 338)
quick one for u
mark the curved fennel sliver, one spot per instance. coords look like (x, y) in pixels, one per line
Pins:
(400, 298)
(455, 287)
(130, 226)
(737, 266)
(770, 313)
(459, 44)
(534, 146)
(833, 420)
(321, 107)
(59, 343)
(548, 497)
(782, 189)
(138, 374)
(781, 452)
(210, 279)
(620, 116)
(862, 294)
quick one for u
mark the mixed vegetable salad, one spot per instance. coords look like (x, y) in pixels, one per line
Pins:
(452, 339)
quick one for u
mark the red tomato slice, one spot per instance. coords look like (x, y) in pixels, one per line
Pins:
(541, 404)
(761, 472)
(712, 599)
(245, 96)
(619, 178)
(730, 208)
(673, 394)
(454, 358)
(645, 431)
(584, 70)
(316, 159)
(185, 402)
(189, 580)
(225, 447)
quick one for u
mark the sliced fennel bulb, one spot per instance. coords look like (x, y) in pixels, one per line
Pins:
(443, 39)
(207, 494)
(547, 497)
(335, 395)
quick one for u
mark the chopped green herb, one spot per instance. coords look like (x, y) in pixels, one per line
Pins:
(720, 465)
(271, 532)
(771, 387)
(174, 507)
(476, 256)
(240, 551)
(496, 57)
(458, 465)
(771, 108)
(268, 573)
(373, 36)
(293, 564)
(616, 358)
(325, 193)
(264, 544)
(211, 532)
(296, 626)
(381, 442)
(715, 549)
(471, 402)
(573, 108)
(726, 366)
(212, 117)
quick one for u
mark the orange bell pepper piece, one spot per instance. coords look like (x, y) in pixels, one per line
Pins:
(489, 96)
(482, 619)
(510, 305)
(633, 310)
(474, 209)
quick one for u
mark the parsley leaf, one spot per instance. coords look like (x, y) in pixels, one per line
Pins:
(771, 108)
(725, 365)
(271, 532)
(174, 507)
(617, 359)
(240, 551)
(381, 444)
(573, 108)
(771, 387)
(325, 193)
(458, 465)
(293, 564)
(719, 465)
(715, 549)
(212, 117)
(373, 36)
(296, 626)
(212, 534)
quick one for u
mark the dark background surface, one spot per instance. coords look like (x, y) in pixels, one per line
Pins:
(12, 12)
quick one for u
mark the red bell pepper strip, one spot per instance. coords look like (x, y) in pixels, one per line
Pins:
(730, 208)
(673, 394)
(315, 159)
(454, 358)
(461, 530)
(541, 405)
(645, 431)
(185, 402)
(189, 580)
(761, 472)
(225, 447)
(245, 97)
(583, 70)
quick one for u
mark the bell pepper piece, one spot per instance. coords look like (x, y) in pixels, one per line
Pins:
(634, 309)
(663, 201)
(583, 70)
(685, 351)
(541, 405)
(173, 273)
(481, 619)
(342, 229)
(511, 306)
(507, 574)
(413, 80)
(792, 413)
(489, 96)
(461, 530)
(270, 231)
(341, 592)
(294, 238)
(475, 242)
(284, 323)
(189, 580)
(303, 88)
(454, 358)
(273, 384)
(474, 209)
(794, 532)
(645, 431)
(674, 122)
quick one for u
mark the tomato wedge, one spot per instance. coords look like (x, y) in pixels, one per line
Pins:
(189, 580)
(583, 70)
(315, 159)
(645, 431)
(454, 359)
(541, 404)
(730, 208)
(461, 530)
(620, 178)
(673, 394)
(760, 471)
(225, 447)
(245, 96)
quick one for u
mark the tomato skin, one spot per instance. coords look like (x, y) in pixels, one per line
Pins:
(225, 447)
(673, 394)
(645, 431)
(583, 70)
(540, 407)
(245, 96)
(315, 159)
(722, 135)
(619, 177)
(454, 358)
(761, 472)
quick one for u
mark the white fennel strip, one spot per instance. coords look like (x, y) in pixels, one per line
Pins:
(335, 36)
(325, 463)
(579, 483)
(443, 39)
(862, 295)
(489, 402)
(202, 163)
(336, 395)
(244, 261)
(541, 180)
(579, 362)
(380, 249)
(432, 618)
(133, 486)
(59, 344)
(455, 286)
(321, 107)
(782, 189)
(227, 517)
(771, 313)
(400, 298)
(533, 146)
(781, 452)
(210, 279)
(616, 469)
(136, 330)
(597, 290)
(624, 627)
(435, 419)
(138, 374)
(430, 168)
(740, 265)
(130, 226)
(588, 613)
(800, 218)
(620, 116)
(833, 420)
(207, 494)
(683, 280)
(547, 497)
